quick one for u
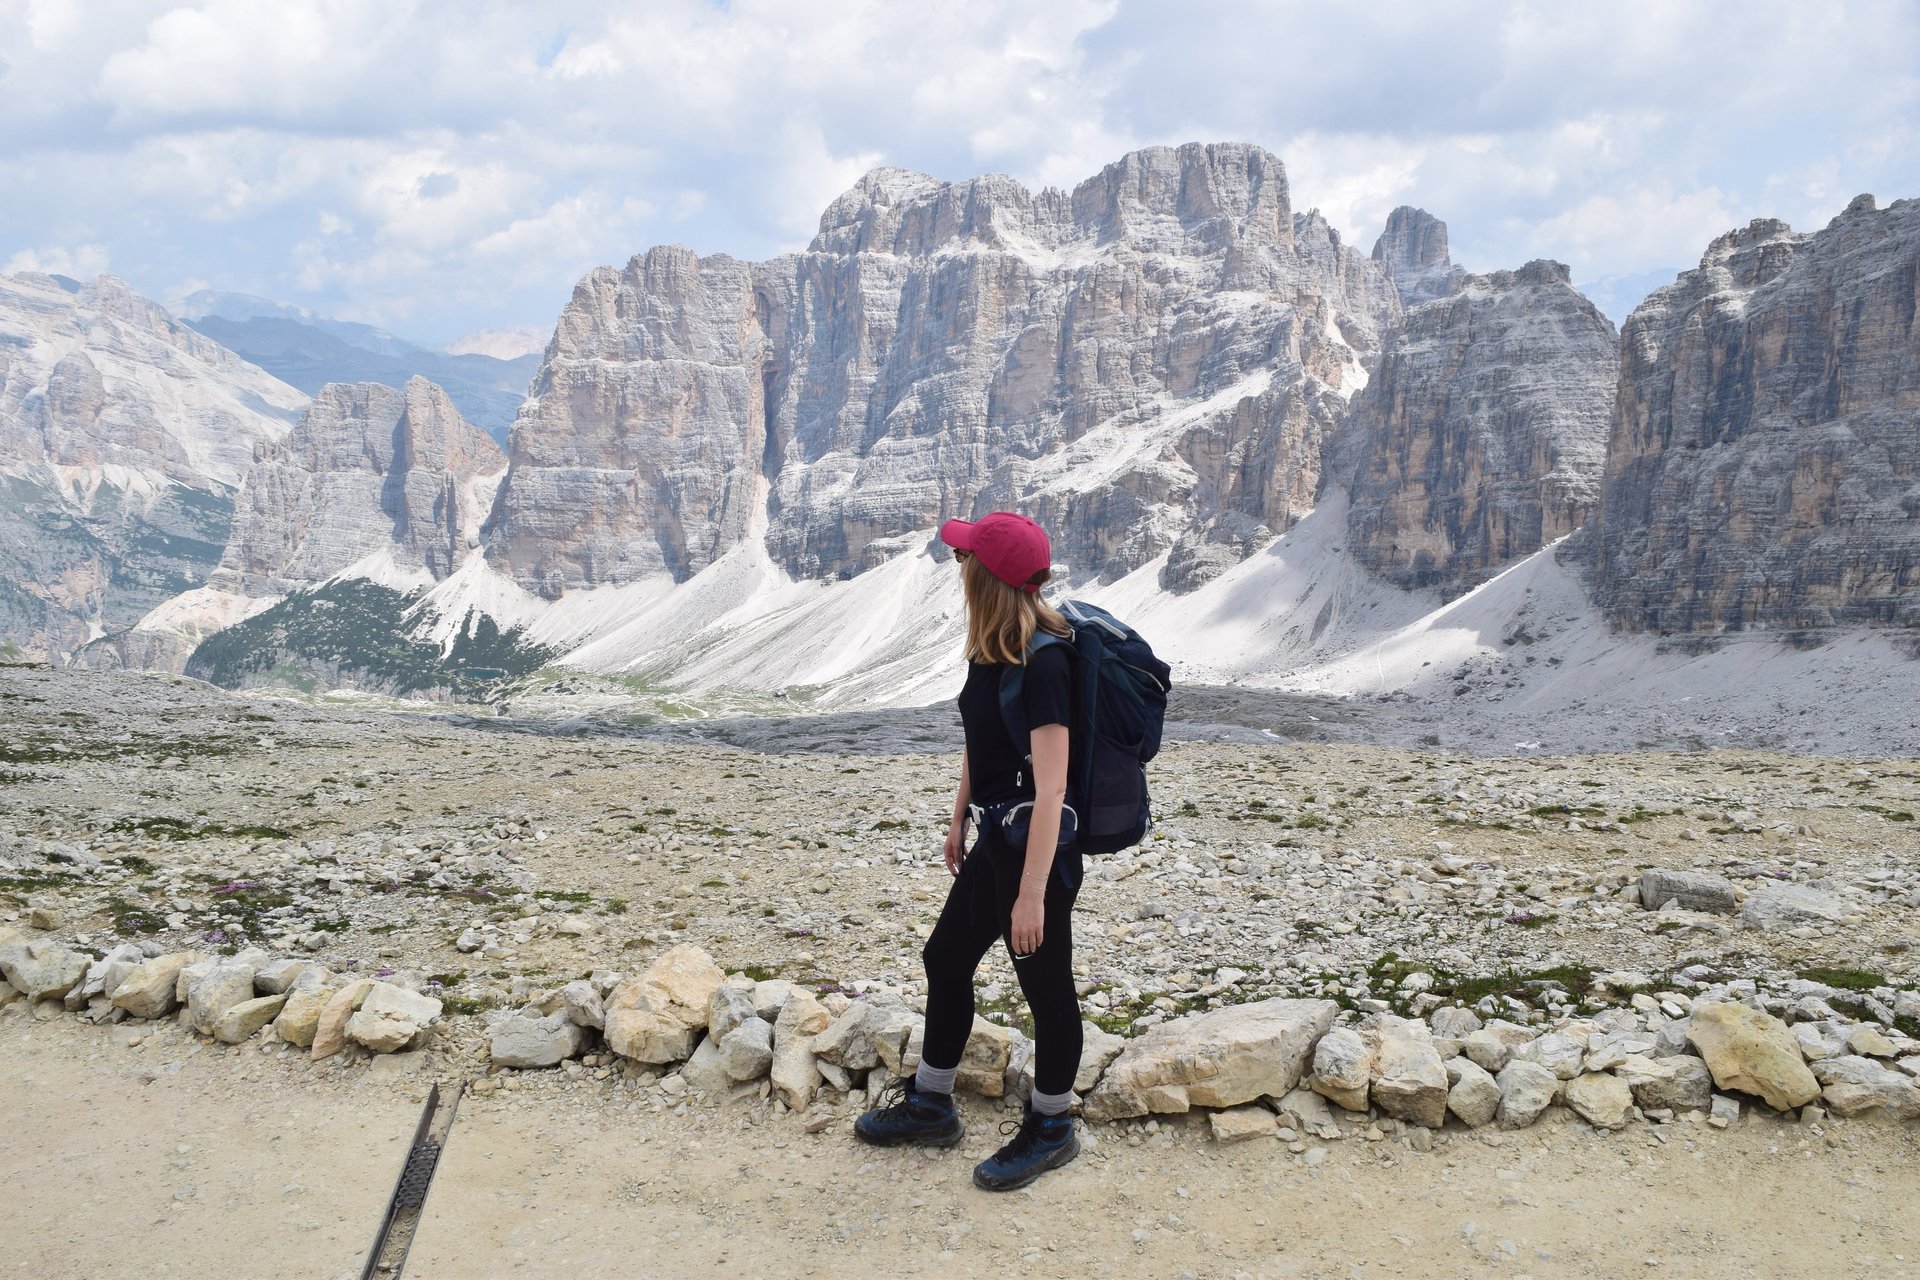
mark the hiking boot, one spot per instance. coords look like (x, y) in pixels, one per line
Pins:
(1039, 1143)
(902, 1115)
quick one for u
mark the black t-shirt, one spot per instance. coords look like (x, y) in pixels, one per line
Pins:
(996, 768)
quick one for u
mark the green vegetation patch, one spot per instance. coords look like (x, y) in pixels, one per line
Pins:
(361, 632)
(1843, 978)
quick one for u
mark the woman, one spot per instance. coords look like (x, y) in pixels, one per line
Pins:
(1023, 896)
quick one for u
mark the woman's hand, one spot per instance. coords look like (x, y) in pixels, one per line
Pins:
(1029, 915)
(956, 848)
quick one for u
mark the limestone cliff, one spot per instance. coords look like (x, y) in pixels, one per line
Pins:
(1480, 437)
(1761, 471)
(367, 471)
(1150, 363)
(1414, 248)
(122, 436)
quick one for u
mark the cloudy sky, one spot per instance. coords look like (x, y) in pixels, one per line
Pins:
(439, 166)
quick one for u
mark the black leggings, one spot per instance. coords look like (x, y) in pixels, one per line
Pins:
(979, 909)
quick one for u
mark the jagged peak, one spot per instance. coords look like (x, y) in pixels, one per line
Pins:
(878, 188)
(1413, 240)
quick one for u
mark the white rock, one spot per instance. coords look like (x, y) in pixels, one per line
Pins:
(583, 1004)
(243, 1019)
(1238, 1124)
(1526, 1090)
(1409, 1079)
(523, 1042)
(1098, 1047)
(746, 1052)
(1221, 1058)
(1603, 1101)
(1342, 1070)
(225, 984)
(1473, 1096)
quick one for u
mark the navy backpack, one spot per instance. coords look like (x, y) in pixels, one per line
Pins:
(1118, 708)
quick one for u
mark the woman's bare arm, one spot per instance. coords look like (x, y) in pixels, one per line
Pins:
(1043, 833)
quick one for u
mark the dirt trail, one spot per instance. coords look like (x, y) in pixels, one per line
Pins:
(286, 1170)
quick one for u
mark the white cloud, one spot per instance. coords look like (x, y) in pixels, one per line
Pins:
(457, 163)
(80, 261)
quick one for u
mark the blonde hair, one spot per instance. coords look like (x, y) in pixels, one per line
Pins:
(1001, 619)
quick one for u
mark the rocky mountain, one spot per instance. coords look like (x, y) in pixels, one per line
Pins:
(1150, 363)
(1414, 248)
(1766, 436)
(123, 435)
(1292, 463)
(309, 351)
(385, 487)
(368, 471)
(1481, 436)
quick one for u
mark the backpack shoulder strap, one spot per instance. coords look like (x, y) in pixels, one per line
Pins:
(1012, 709)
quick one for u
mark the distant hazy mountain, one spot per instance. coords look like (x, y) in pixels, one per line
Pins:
(123, 436)
(1617, 296)
(501, 344)
(308, 351)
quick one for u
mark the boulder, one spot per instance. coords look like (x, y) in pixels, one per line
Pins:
(43, 970)
(1679, 1083)
(1220, 1058)
(1855, 1084)
(657, 1016)
(1451, 1022)
(330, 1028)
(1526, 1090)
(1098, 1047)
(746, 1052)
(1493, 1044)
(794, 1075)
(147, 991)
(391, 1017)
(1692, 890)
(1752, 1052)
(1870, 1042)
(1343, 1068)
(1602, 1100)
(1238, 1124)
(900, 1051)
(225, 984)
(849, 1042)
(300, 1016)
(525, 1042)
(730, 1005)
(583, 1004)
(1782, 906)
(1473, 1095)
(1557, 1051)
(705, 1072)
(242, 1020)
(104, 974)
(1817, 1040)
(770, 997)
(278, 977)
(1309, 1112)
(1409, 1079)
(984, 1062)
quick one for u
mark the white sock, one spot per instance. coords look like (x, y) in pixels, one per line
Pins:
(934, 1079)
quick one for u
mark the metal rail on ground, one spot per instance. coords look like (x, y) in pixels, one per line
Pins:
(395, 1237)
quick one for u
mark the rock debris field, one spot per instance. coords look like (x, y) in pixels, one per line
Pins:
(1492, 1003)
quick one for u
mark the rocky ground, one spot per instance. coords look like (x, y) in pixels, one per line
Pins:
(484, 865)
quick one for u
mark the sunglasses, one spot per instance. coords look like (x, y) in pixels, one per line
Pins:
(962, 555)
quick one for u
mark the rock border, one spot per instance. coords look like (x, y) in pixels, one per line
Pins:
(1284, 1068)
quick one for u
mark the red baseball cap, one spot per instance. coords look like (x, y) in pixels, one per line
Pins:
(1012, 547)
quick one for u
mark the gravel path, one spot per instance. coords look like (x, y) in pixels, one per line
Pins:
(158, 1161)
